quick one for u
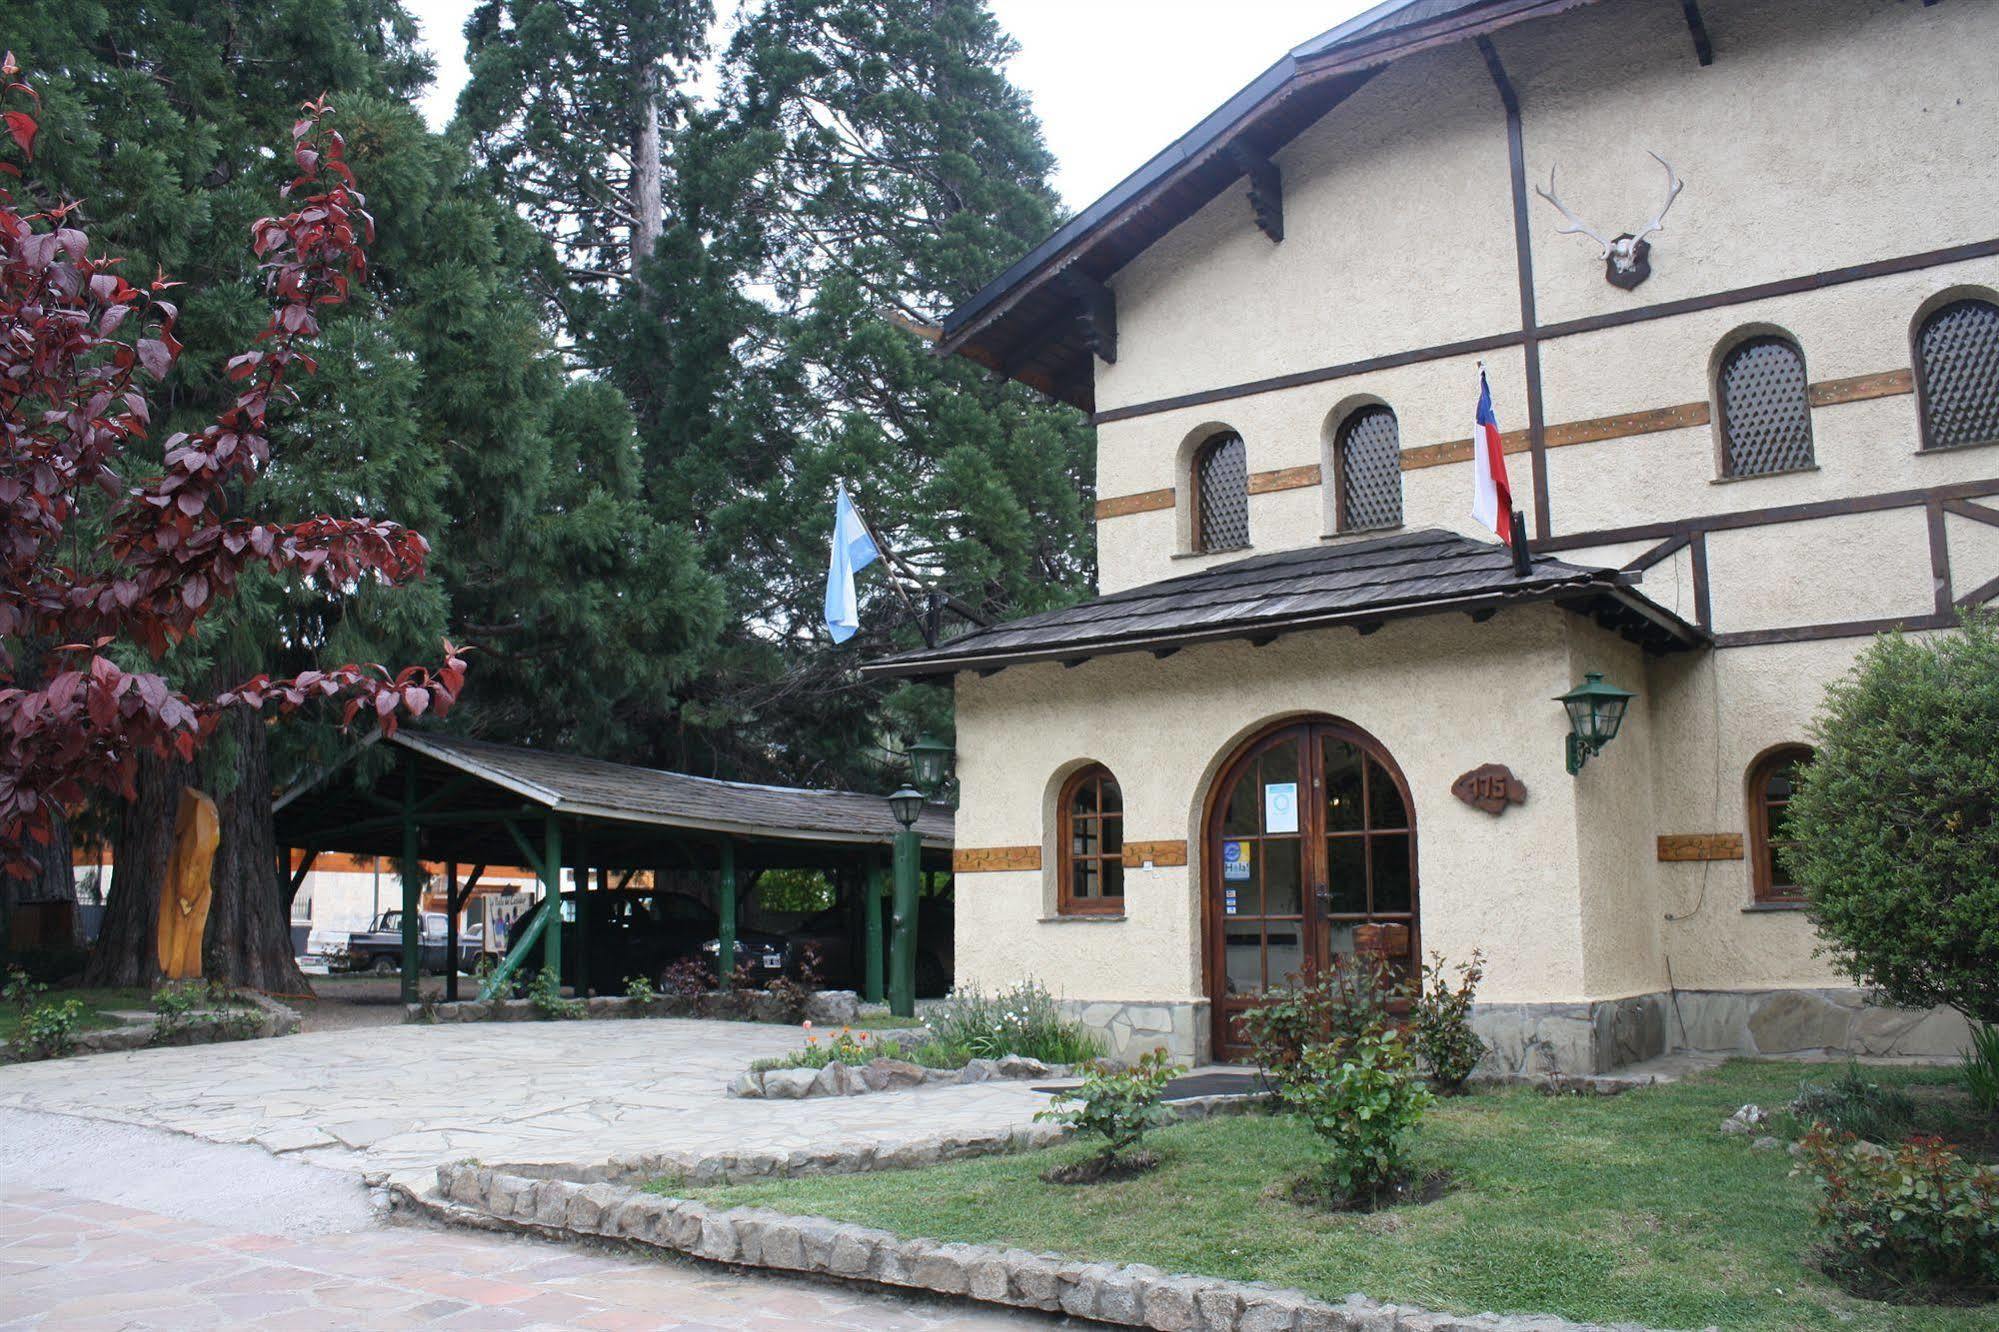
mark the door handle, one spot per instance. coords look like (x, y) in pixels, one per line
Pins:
(1323, 895)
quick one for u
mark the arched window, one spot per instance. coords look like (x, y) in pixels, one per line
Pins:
(1367, 454)
(1092, 844)
(1770, 782)
(1957, 374)
(1766, 414)
(1221, 494)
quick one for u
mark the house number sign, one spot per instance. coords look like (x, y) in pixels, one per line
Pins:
(1490, 787)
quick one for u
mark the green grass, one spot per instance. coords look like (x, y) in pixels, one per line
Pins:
(97, 1004)
(1626, 1208)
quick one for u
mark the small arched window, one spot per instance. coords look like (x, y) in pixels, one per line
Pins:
(1771, 779)
(1367, 455)
(1092, 844)
(1957, 374)
(1766, 413)
(1221, 494)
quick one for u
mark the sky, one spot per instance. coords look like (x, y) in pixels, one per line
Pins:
(1113, 81)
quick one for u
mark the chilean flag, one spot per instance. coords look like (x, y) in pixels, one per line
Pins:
(1491, 497)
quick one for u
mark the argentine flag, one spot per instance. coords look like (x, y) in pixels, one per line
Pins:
(853, 551)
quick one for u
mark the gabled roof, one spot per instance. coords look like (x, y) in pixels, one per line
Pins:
(335, 815)
(1360, 583)
(1024, 324)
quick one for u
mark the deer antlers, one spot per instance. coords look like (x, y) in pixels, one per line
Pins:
(1621, 253)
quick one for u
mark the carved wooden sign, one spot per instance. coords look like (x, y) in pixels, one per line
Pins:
(1490, 787)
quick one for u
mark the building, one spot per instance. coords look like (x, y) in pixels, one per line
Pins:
(1741, 450)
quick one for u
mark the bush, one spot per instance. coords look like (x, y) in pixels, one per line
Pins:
(1334, 1008)
(1893, 828)
(1022, 1021)
(1980, 1069)
(639, 990)
(1445, 1041)
(21, 989)
(1918, 1223)
(50, 1028)
(1363, 1101)
(545, 993)
(1117, 1105)
(794, 995)
(848, 1047)
(1852, 1105)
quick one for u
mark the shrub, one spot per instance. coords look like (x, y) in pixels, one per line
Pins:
(848, 1047)
(685, 979)
(1117, 1105)
(794, 995)
(1445, 1041)
(1918, 1222)
(639, 990)
(1021, 1021)
(1893, 830)
(21, 989)
(1335, 1008)
(50, 1028)
(545, 993)
(176, 1002)
(1980, 1069)
(1852, 1105)
(1363, 1101)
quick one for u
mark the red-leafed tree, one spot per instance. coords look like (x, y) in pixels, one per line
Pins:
(100, 574)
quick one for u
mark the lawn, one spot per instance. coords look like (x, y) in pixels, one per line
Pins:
(96, 1002)
(1604, 1209)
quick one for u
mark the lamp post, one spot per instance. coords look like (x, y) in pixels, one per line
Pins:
(1596, 710)
(906, 805)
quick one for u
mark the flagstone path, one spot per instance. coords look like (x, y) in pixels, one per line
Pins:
(396, 1101)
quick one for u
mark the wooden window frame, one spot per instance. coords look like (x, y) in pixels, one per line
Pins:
(1919, 375)
(1067, 858)
(1725, 462)
(1762, 862)
(1197, 530)
(1342, 435)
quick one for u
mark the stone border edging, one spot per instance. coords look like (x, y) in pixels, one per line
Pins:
(825, 1008)
(792, 1083)
(206, 1027)
(1127, 1295)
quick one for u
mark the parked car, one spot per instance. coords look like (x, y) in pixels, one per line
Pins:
(839, 954)
(379, 948)
(644, 933)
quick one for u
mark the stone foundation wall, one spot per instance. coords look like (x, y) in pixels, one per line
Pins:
(1537, 1040)
(1133, 1029)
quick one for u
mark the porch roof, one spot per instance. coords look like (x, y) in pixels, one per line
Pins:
(1361, 583)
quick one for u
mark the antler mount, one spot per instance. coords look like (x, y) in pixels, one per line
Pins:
(1626, 257)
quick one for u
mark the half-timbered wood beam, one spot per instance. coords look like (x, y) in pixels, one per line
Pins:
(1266, 189)
(1697, 29)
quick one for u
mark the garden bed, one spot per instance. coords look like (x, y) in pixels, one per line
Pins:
(115, 1020)
(826, 1007)
(778, 1081)
(1604, 1209)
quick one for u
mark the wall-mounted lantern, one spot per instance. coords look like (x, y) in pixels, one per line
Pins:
(1596, 710)
(930, 765)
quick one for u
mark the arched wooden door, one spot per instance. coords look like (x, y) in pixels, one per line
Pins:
(1311, 832)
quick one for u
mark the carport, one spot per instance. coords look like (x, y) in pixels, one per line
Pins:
(473, 803)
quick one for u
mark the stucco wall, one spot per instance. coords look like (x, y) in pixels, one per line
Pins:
(1442, 694)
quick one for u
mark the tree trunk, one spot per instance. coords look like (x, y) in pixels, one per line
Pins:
(55, 882)
(647, 207)
(249, 928)
(127, 951)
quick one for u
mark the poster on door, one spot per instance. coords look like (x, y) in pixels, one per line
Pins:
(1235, 862)
(1280, 807)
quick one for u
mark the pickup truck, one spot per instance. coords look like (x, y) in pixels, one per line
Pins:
(379, 948)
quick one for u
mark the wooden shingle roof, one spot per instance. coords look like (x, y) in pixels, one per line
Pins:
(1359, 583)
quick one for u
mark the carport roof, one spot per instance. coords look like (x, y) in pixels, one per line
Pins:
(469, 790)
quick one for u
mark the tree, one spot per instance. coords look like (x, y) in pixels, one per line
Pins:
(1894, 824)
(96, 573)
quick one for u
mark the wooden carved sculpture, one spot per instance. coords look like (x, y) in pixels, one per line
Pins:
(185, 895)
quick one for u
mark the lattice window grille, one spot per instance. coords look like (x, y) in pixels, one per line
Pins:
(1221, 483)
(1370, 459)
(1957, 357)
(1766, 416)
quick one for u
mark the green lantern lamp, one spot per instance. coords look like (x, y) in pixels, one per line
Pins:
(1596, 710)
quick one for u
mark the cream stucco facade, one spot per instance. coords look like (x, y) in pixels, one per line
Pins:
(1828, 137)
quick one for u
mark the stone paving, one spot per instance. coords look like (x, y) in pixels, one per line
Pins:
(80, 1265)
(397, 1101)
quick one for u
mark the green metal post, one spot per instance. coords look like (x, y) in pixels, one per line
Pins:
(551, 888)
(580, 875)
(902, 960)
(725, 910)
(412, 874)
(873, 882)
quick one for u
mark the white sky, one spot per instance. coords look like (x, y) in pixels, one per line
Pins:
(1113, 81)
